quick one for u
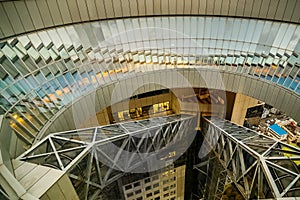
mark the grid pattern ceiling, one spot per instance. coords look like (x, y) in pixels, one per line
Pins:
(19, 17)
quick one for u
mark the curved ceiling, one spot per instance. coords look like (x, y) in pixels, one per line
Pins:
(19, 17)
(43, 72)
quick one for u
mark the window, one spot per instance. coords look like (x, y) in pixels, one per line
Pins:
(138, 191)
(172, 186)
(147, 180)
(136, 184)
(139, 198)
(149, 195)
(166, 195)
(155, 185)
(166, 188)
(155, 178)
(130, 194)
(156, 192)
(127, 187)
(148, 187)
(157, 198)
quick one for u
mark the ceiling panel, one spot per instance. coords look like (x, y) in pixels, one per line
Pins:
(73, 8)
(280, 9)
(289, 10)
(263, 12)
(101, 9)
(156, 7)
(272, 8)
(142, 7)
(110, 13)
(35, 14)
(210, 7)
(225, 7)
(83, 10)
(187, 7)
(55, 13)
(64, 10)
(14, 17)
(195, 6)
(202, 7)
(38, 14)
(117, 7)
(45, 13)
(133, 7)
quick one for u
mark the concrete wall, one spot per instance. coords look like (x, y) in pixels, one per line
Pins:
(241, 104)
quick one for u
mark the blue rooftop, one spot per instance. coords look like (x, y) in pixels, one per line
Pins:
(277, 129)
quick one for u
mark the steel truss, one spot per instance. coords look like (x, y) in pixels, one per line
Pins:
(96, 157)
(260, 167)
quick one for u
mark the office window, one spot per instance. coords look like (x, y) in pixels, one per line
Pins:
(156, 192)
(127, 187)
(138, 191)
(166, 188)
(147, 180)
(155, 178)
(130, 194)
(149, 195)
(148, 188)
(155, 185)
(136, 184)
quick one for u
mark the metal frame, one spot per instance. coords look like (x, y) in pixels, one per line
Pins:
(96, 157)
(261, 167)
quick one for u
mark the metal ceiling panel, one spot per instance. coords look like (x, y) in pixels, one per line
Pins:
(296, 14)
(35, 14)
(54, 12)
(290, 9)
(117, 4)
(125, 8)
(74, 11)
(272, 8)
(142, 7)
(45, 13)
(83, 10)
(14, 18)
(65, 11)
(24, 15)
(156, 7)
(187, 7)
(280, 9)
(110, 13)
(195, 7)
(202, 7)
(133, 7)
(225, 7)
(6, 27)
(265, 4)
